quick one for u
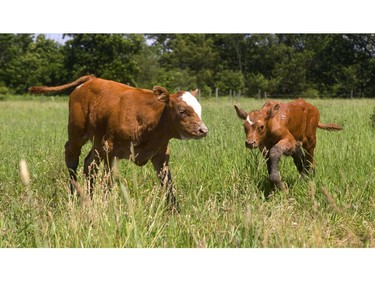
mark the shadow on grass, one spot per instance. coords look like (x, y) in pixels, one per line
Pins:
(266, 188)
(269, 190)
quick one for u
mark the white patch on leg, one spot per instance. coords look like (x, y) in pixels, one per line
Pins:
(249, 120)
(192, 101)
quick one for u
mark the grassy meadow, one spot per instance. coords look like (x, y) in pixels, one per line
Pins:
(220, 186)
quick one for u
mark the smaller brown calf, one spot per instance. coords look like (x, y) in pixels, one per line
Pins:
(282, 129)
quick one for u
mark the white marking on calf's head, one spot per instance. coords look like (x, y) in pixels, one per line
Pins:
(192, 101)
(248, 120)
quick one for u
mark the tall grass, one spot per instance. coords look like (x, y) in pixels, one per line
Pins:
(220, 187)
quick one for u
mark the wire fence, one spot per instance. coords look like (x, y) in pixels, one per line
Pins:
(236, 95)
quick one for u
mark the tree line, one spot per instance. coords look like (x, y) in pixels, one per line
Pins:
(279, 65)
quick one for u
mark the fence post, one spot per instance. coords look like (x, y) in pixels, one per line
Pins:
(217, 94)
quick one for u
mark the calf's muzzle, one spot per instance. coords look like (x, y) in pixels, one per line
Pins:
(251, 144)
(202, 130)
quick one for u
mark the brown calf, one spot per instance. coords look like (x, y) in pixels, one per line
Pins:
(281, 129)
(126, 122)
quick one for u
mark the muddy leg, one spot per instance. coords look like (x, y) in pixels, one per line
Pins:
(273, 165)
(287, 146)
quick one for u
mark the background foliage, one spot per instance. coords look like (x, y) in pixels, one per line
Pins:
(281, 65)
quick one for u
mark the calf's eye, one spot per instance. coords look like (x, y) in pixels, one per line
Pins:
(182, 113)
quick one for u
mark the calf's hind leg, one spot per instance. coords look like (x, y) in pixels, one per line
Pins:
(76, 139)
(309, 163)
(98, 153)
(92, 163)
(299, 158)
(91, 167)
(72, 152)
(309, 146)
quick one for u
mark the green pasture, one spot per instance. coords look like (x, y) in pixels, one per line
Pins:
(220, 186)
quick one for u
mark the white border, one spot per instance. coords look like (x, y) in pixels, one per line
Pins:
(195, 16)
(320, 16)
(187, 264)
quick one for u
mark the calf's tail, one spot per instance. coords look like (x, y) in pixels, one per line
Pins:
(73, 85)
(329, 127)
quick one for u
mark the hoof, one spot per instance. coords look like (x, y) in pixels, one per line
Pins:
(275, 178)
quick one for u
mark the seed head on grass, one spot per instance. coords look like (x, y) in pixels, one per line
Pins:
(24, 173)
(331, 201)
(85, 201)
(312, 194)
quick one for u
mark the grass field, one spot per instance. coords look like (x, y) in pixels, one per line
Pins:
(220, 186)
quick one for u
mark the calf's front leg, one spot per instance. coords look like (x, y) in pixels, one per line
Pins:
(286, 146)
(160, 163)
(273, 165)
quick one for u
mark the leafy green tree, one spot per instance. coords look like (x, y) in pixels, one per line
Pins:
(109, 56)
(230, 80)
(12, 47)
(341, 63)
(232, 49)
(193, 54)
(26, 62)
(258, 85)
(147, 61)
(283, 65)
(177, 79)
(363, 46)
(44, 60)
(291, 75)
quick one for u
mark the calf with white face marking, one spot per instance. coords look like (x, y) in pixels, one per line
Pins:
(284, 129)
(126, 122)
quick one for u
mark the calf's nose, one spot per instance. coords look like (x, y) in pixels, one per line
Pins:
(249, 143)
(203, 130)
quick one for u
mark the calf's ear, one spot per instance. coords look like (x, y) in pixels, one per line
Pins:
(161, 93)
(240, 112)
(195, 93)
(274, 110)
